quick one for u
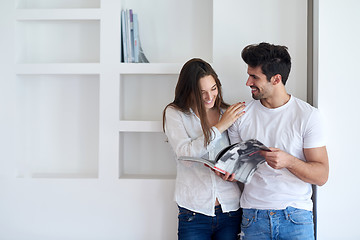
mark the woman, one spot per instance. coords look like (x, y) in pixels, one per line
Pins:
(195, 124)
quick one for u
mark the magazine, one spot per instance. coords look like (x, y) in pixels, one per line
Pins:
(132, 51)
(241, 158)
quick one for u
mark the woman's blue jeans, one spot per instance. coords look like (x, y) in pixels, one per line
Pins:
(290, 223)
(197, 226)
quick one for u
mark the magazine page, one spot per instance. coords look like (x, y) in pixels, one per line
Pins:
(204, 160)
(242, 159)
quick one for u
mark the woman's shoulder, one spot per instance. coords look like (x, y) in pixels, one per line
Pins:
(173, 110)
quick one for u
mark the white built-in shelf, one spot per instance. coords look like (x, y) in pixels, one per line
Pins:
(144, 96)
(96, 68)
(81, 113)
(150, 68)
(58, 41)
(57, 119)
(140, 126)
(58, 68)
(173, 31)
(141, 158)
(57, 4)
(58, 14)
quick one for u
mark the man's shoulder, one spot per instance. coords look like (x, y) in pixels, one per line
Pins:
(250, 101)
(302, 105)
(250, 110)
(251, 104)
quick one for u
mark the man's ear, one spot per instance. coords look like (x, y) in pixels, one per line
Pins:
(276, 79)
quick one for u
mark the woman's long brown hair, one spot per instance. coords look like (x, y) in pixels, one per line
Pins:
(188, 93)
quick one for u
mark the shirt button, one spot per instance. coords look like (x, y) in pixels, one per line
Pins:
(272, 213)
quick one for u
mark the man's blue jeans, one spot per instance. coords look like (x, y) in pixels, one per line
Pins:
(290, 223)
(197, 226)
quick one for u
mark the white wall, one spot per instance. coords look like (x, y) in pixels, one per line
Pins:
(104, 208)
(7, 88)
(240, 23)
(338, 91)
(58, 208)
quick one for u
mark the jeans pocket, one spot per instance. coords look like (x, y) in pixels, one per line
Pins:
(300, 216)
(235, 214)
(247, 219)
(186, 215)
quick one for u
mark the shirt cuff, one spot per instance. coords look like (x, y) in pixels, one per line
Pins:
(216, 134)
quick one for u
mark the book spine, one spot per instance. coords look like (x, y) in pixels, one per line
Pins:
(128, 36)
(131, 16)
(136, 38)
(123, 37)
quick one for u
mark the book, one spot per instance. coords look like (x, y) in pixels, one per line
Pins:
(136, 38)
(124, 53)
(241, 158)
(132, 51)
(128, 35)
(131, 28)
(142, 57)
(138, 51)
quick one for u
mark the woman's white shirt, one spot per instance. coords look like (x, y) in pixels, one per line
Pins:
(197, 186)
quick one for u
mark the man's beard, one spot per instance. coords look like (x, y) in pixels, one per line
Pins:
(257, 96)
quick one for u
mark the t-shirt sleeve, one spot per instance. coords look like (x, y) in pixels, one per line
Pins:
(314, 135)
(234, 133)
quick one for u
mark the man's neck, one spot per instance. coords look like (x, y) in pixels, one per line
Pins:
(277, 101)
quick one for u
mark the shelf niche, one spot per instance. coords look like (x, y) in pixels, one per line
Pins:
(174, 31)
(57, 119)
(146, 155)
(57, 4)
(144, 96)
(58, 41)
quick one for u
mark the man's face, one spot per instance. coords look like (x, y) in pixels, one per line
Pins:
(260, 86)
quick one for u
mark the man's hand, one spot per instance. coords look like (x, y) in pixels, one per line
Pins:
(314, 170)
(277, 158)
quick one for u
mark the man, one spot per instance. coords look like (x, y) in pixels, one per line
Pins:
(277, 202)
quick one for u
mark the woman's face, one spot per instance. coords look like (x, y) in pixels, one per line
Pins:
(209, 91)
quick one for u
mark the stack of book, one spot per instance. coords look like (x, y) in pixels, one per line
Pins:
(130, 40)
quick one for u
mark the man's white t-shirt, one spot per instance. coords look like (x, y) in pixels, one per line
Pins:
(291, 128)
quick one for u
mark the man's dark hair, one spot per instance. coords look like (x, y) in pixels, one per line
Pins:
(273, 59)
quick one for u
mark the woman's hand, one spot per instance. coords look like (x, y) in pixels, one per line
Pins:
(230, 116)
(227, 176)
